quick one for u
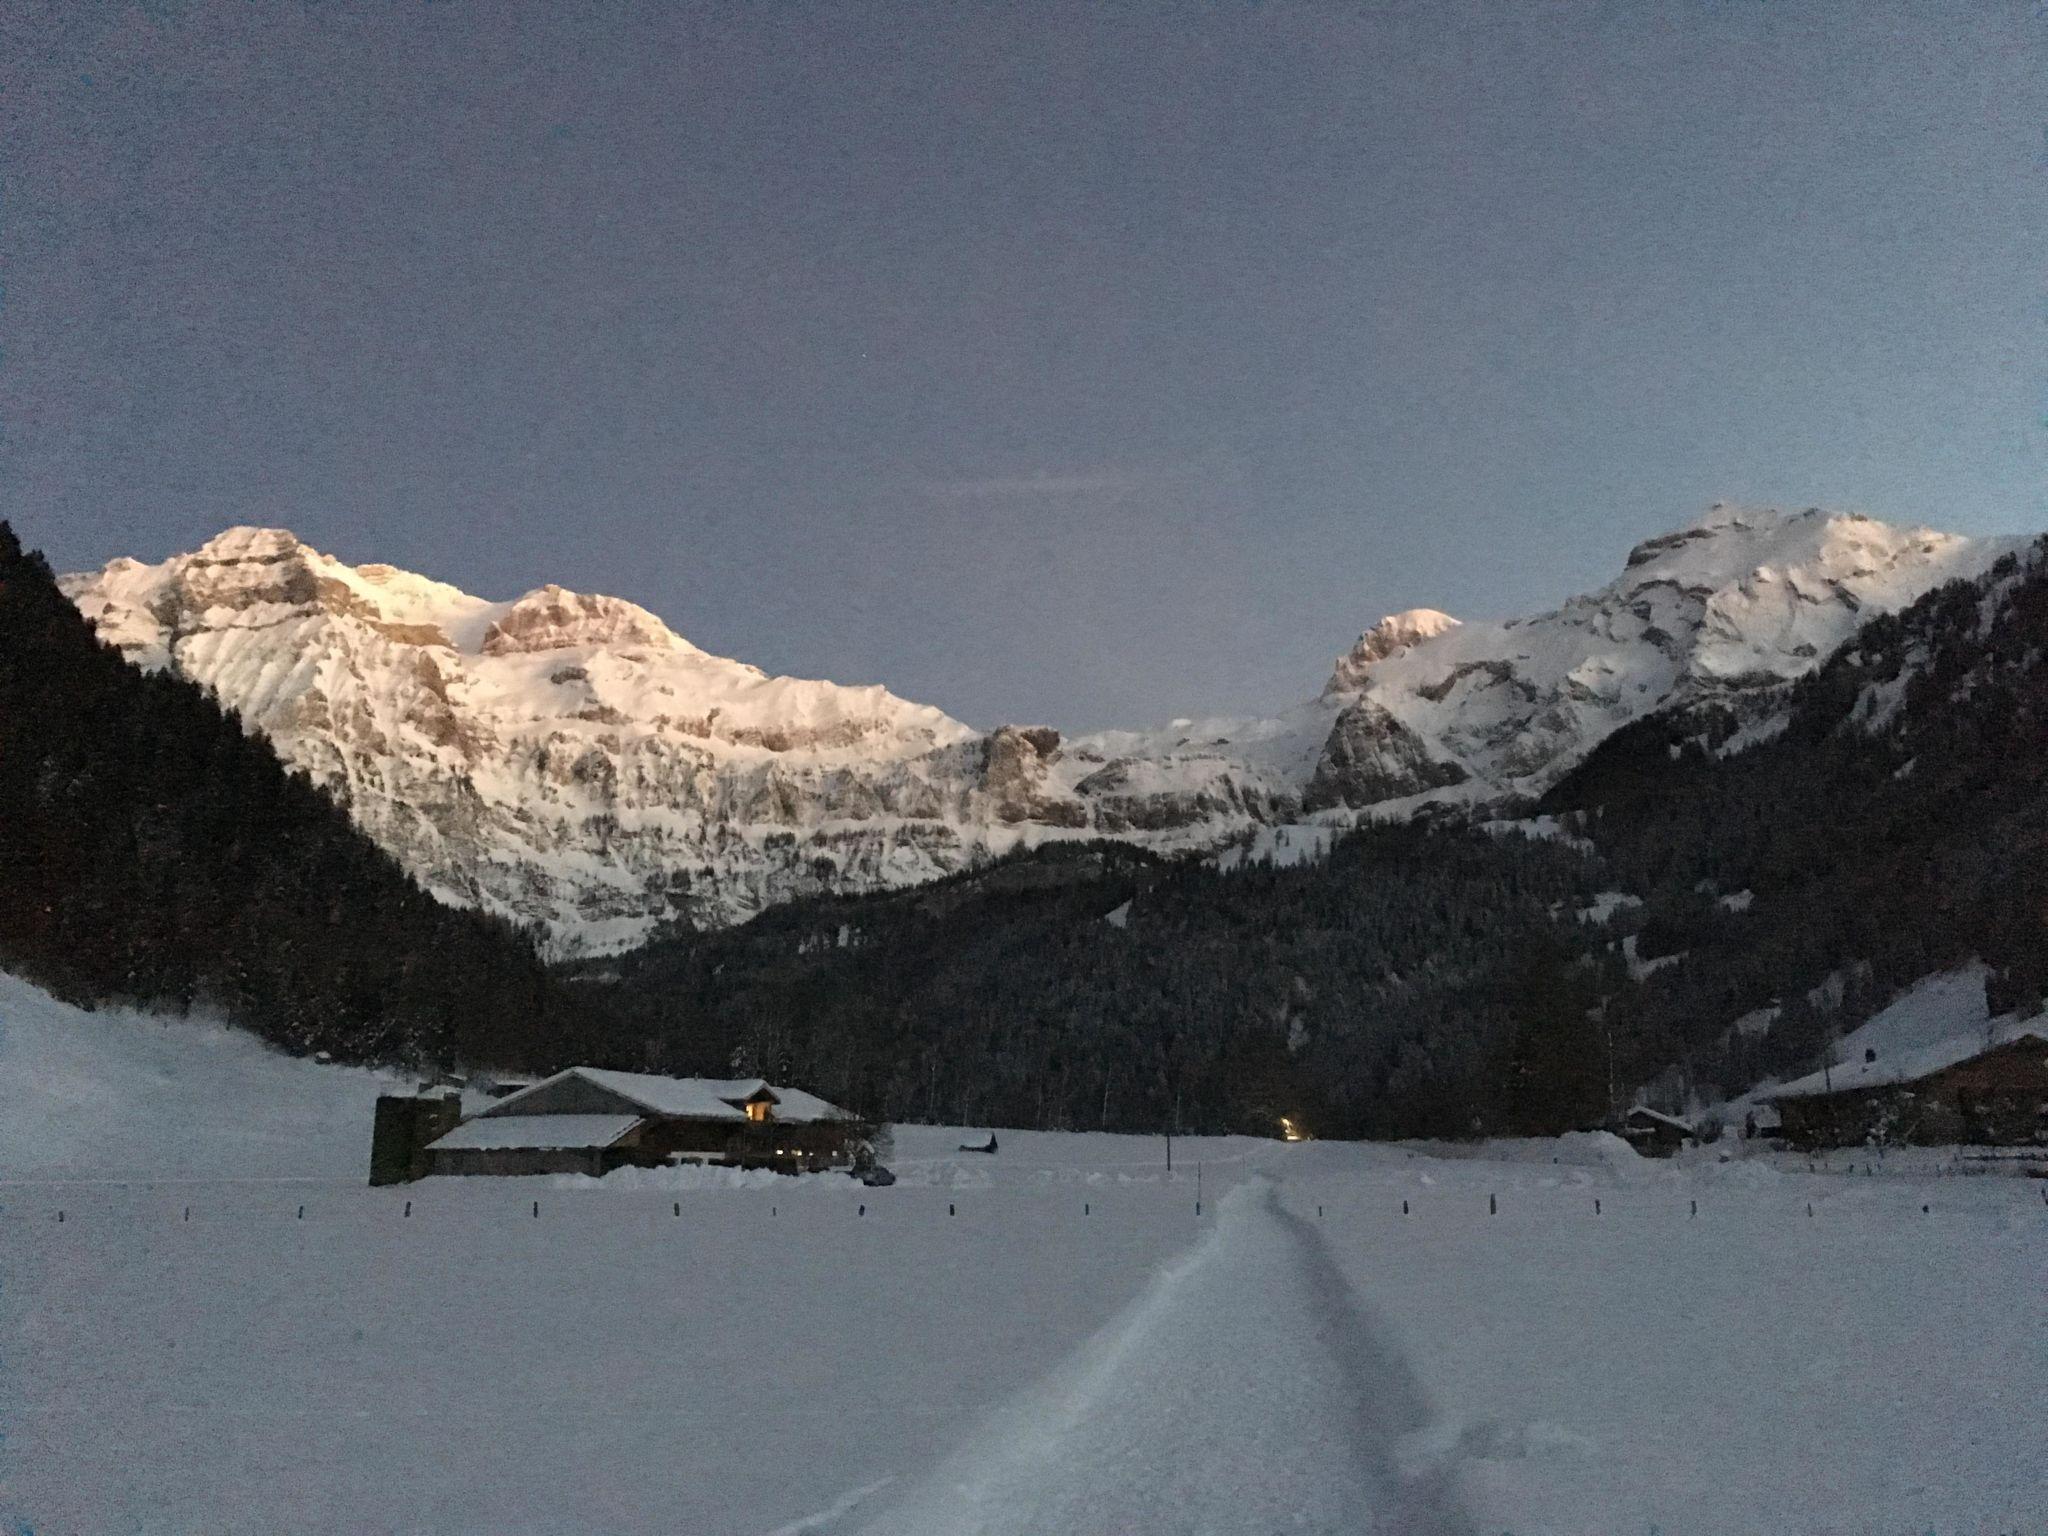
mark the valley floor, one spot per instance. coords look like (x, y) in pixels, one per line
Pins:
(1050, 1340)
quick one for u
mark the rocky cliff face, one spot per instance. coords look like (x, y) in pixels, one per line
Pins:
(568, 760)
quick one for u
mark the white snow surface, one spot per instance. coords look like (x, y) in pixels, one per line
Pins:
(568, 759)
(114, 1094)
(1049, 1340)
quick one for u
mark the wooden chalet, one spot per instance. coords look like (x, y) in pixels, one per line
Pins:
(590, 1120)
(1989, 1087)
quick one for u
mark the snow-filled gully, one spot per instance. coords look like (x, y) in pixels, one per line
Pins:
(1242, 1394)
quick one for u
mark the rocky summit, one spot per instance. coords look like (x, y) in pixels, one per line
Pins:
(568, 760)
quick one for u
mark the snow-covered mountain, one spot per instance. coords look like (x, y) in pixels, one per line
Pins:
(568, 760)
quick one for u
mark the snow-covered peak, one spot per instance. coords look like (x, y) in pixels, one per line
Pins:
(1393, 634)
(551, 618)
(1731, 607)
(245, 543)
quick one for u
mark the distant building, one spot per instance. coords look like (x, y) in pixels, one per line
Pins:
(1989, 1087)
(590, 1120)
(1654, 1133)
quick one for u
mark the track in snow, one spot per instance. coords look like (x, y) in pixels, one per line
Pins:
(1241, 1395)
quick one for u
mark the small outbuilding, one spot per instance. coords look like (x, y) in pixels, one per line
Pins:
(1655, 1134)
(1989, 1087)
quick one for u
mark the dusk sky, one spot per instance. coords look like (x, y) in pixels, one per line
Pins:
(1087, 364)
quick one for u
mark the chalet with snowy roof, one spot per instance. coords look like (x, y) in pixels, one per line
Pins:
(1988, 1087)
(591, 1120)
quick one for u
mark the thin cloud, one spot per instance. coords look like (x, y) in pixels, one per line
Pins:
(1090, 483)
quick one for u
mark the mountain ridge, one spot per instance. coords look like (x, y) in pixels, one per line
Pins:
(568, 760)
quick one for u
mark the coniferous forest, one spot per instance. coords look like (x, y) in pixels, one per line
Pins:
(153, 854)
(1443, 977)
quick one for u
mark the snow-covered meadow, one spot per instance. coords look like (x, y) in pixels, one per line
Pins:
(1049, 1340)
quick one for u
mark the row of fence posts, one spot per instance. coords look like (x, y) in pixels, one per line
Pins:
(1088, 1208)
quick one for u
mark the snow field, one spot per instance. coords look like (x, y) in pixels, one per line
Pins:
(607, 1366)
(1870, 1368)
(1046, 1340)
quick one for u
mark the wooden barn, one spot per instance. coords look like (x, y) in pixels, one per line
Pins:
(1988, 1088)
(591, 1120)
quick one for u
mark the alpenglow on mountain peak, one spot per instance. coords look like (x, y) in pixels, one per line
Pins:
(568, 760)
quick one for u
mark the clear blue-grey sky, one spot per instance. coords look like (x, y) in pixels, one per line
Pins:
(1069, 362)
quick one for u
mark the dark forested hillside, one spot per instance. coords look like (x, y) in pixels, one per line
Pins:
(153, 853)
(1897, 826)
(1441, 979)
(1417, 981)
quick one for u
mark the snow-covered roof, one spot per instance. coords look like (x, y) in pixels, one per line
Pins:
(742, 1088)
(1645, 1112)
(799, 1108)
(695, 1098)
(1912, 1065)
(493, 1133)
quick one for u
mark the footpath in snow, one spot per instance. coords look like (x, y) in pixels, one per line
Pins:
(1241, 1393)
